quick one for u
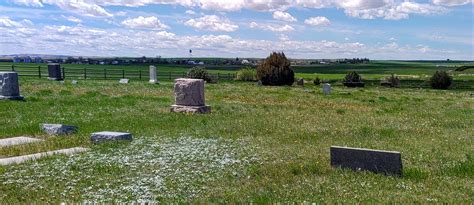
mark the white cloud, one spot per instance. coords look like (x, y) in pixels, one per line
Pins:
(272, 27)
(141, 22)
(366, 9)
(397, 12)
(121, 42)
(212, 23)
(190, 12)
(283, 16)
(35, 3)
(318, 21)
(7, 22)
(72, 19)
(452, 2)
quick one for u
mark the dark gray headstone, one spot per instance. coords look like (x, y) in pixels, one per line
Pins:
(378, 161)
(9, 86)
(58, 129)
(108, 136)
(54, 71)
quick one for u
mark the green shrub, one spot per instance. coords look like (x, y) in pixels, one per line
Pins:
(353, 79)
(247, 74)
(317, 81)
(441, 80)
(275, 70)
(392, 81)
(199, 73)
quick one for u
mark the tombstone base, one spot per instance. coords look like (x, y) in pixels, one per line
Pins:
(154, 82)
(55, 79)
(191, 109)
(11, 97)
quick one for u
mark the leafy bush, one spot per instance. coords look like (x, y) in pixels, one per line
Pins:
(275, 70)
(392, 81)
(199, 73)
(317, 81)
(441, 80)
(353, 79)
(247, 74)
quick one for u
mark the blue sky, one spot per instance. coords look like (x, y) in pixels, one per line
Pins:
(377, 29)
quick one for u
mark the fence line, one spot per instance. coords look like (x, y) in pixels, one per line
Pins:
(102, 73)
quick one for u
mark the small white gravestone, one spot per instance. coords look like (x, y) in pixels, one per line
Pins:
(124, 81)
(9, 86)
(153, 79)
(74, 82)
(327, 88)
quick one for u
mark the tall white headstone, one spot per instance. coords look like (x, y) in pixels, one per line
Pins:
(153, 79)
(327, 88)
(9, 87)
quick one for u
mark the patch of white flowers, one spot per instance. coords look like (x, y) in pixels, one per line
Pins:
(141, 171)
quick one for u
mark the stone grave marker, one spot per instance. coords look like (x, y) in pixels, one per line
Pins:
(327, 88)
(109, 136)
(300, 82)
(74, 82)
(124, 81)
(153, 79)
(54, 72)
(58, 129)
(9, 86)
(189, 96)
(24, 158)
(17, 141)
(377, 161)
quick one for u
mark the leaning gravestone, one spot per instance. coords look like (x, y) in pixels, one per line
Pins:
(153, 79)
(300, 82)
(124, 81)
(109, 136)
(54, 72)
(327, 88)
(58, 129)
(9, 86)
(378, 161)
(189, 96)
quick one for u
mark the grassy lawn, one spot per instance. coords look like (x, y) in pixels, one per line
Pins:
(260, 144)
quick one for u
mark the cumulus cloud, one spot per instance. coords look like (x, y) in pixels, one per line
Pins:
(452, 2)
(318, 21)
(190, 12)
(72, 19)
(141, 22)
(283, 16)
(212, 23)
(366, 9)
(396, 12)
(35, 3)
(272, 27)
(7, 22)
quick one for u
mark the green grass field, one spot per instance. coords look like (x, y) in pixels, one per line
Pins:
(260, 144)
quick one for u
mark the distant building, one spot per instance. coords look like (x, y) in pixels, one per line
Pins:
(245, 62)
(16, 59)
(38, 60)
(27, 59)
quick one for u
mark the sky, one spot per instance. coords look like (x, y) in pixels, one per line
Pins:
(311, 29)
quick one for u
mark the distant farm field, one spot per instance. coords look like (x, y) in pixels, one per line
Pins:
(372, 71)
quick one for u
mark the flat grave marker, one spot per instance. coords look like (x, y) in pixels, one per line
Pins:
(377, 161)
(109, 136)
(17, 141)
(124, 81)
(24, 158)
(58, 129)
